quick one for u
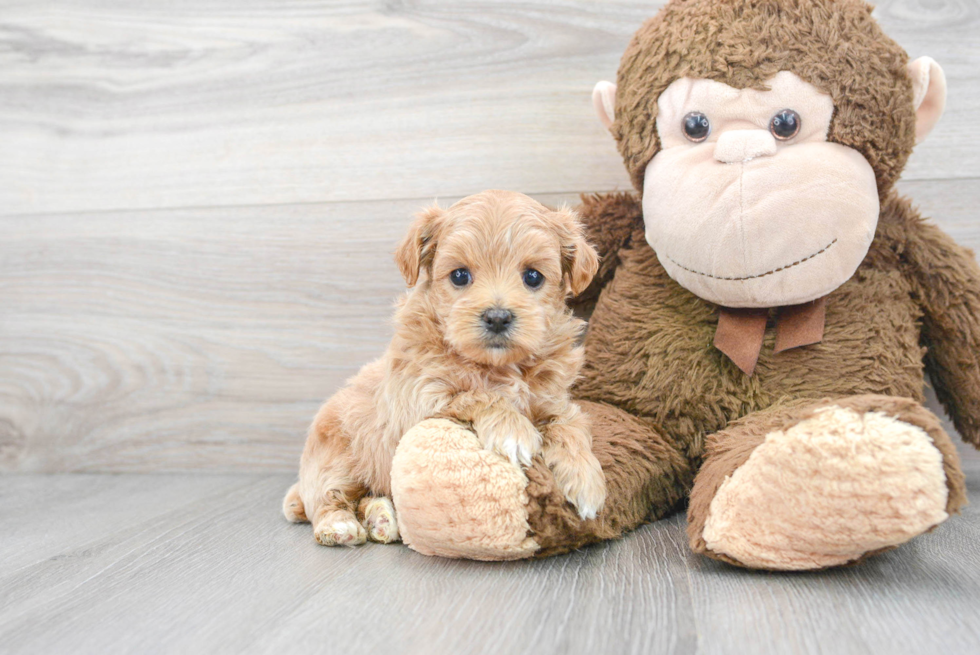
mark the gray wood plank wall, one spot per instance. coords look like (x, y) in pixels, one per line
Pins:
(198, 199)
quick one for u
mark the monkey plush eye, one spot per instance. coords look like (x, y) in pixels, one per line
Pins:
(785, 125)
(696, 126)
(533, 278)
(460, 277)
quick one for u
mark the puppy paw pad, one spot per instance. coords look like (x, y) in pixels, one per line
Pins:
(379, 519)
(341, 533)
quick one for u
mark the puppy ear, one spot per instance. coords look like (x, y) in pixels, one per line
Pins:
(579, 261)
(418, 248)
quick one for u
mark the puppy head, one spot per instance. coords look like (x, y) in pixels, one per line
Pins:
(495, 269)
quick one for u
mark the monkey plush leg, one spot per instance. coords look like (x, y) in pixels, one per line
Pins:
(825, 483)
(456, 499)
(647, 478)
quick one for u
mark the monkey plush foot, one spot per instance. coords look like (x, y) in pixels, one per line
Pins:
(454, 498)
(827, 485)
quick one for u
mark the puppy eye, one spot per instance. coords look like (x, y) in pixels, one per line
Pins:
(460, 277)
(696, 127)
(785, 125)
(533, 278)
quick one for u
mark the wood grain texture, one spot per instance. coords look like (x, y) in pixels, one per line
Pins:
(206, 338)
(198, 201)
(205, 564)
(169, 341)
(121, 105)
(187, 339)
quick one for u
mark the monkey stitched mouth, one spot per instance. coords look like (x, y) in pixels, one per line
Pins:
(758, 275)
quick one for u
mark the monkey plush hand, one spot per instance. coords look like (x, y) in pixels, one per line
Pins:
(764, 313)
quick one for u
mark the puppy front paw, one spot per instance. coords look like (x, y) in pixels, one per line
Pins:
(379, 519)
(339, 530)
(581, 479)
(511, 435)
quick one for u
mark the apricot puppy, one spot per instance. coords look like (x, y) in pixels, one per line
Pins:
(483, 337)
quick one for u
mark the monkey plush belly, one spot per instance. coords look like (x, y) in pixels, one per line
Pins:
(650, 350)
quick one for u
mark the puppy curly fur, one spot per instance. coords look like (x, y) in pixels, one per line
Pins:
(508, 382)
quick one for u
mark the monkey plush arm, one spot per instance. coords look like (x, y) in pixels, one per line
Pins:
(946, 279)
(610, 221)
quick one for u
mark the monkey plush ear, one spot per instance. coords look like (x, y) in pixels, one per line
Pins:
(604, 102)
(579, 261)
(418, 248)
(928, 95)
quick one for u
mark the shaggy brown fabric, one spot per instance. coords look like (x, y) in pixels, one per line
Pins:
(726, 451)
(622, 223)
(643, 471)
(661, 396)
(650, 348)
(649, 352)
(834, 45)
(729, 449)
(944, 279)
(665, 396)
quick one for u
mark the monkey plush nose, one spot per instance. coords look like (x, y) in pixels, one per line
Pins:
(736, 146)
(497, 320)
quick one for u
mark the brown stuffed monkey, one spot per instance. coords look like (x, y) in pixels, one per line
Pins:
(765, 310)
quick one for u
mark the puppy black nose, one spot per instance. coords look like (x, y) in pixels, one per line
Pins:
(497, 320)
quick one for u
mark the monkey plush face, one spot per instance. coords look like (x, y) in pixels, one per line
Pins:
(762, 134)
(747, 204)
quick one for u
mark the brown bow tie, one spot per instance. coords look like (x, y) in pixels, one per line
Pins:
(740, 331)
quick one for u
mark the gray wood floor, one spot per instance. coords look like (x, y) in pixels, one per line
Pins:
(192, 563)
(198, 202)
